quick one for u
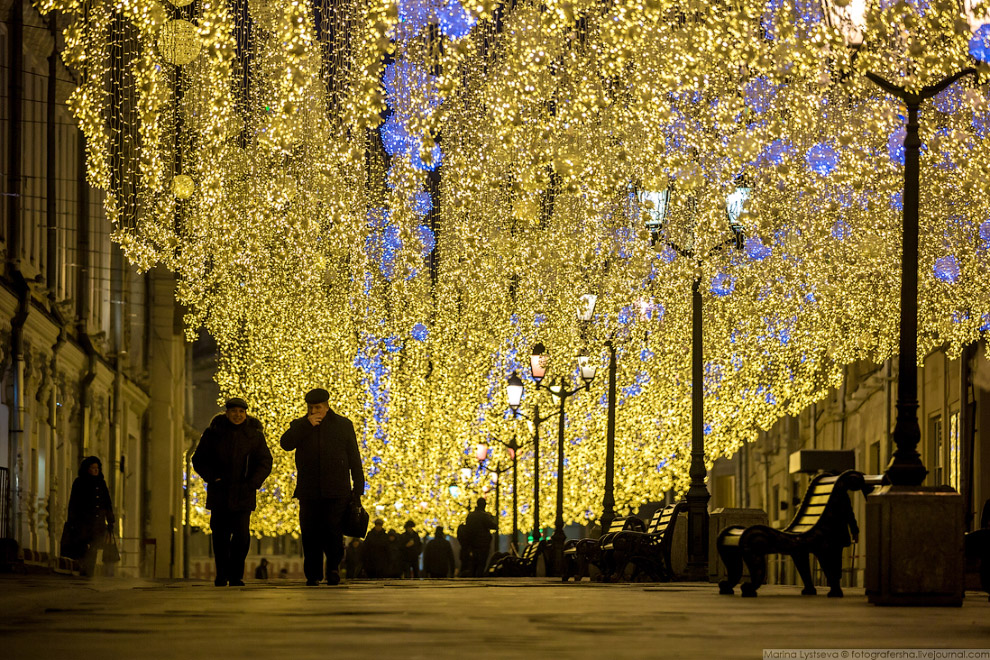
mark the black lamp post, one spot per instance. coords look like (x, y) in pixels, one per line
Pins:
(906, 467)
(697, 496)
(585, 313)
(513, 447)
(481, 453)
(515, 392)
(539, 362)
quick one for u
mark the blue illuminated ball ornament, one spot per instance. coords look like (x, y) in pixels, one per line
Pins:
(414, 15)
(840, 230)
(420, 164)
(947, 269)
(668, 254)
(723, 284)
(895, 146)
(897, 201)
(985, 231)
(758, 93)
(822, 158)
(422, 203)
(777, 151)
(428, 239)
(420, 332)
(979, 43)
(455, 22)
(756, 250)
(949, 100)
(395, 138)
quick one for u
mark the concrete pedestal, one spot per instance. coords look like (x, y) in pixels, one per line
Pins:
(914, 546)
(719, 520)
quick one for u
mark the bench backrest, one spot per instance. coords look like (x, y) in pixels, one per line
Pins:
(532, 550)
(664, 519)
(820, 497)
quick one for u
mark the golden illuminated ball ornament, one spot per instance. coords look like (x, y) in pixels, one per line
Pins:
(180, 3)
(178, 42)
(183, 186)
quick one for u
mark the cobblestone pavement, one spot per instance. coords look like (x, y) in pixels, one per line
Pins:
(55, 617)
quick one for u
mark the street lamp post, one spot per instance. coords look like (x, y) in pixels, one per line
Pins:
(515, 391)
(540, 361)
(697, 496)
(585, 313)
(513, 447)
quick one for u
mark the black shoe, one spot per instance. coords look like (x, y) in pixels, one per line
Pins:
(219, 583)
(312, 583)
(237, 583)
(333, 578)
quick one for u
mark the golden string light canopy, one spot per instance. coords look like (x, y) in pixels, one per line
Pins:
(420, 193)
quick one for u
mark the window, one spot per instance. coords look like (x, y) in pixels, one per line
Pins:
(873, 461)
(935, 441)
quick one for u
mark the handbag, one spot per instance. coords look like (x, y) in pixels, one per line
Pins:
(111, 555)
(356, 519)
(70, 543)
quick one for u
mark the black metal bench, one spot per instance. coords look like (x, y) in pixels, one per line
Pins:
(580, 554)
(647, 551)
(522, 566)
(823, 525)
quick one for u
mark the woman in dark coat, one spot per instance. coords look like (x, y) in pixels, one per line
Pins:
(90, 512)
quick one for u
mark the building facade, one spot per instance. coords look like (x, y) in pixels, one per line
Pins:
(92, 358)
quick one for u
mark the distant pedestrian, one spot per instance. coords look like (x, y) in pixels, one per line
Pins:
(374, 551)
(410, 547)
(234, 461)
(438, 556)
(478, 538)
(394, 566)
(352, 559)
(283, 574)
(329, 476)
(90, 517)
(261, 573)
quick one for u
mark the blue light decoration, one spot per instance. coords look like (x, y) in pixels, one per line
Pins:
(723, 284)
(434, 160)
(895, 146)
(428, 239)
(756, 250)
(897, 201)
(777, 151)
(979, 43)
(668, 254)
(401, 77)
(395, 138)
(985, 234)
(822, 158)
(986, 322)
(942, 136)
(370, 360)
(805, 14)
(947, 269)
(414, 15)
(422, 203)
(950, 99)
(645, 355)
(420, 332)
(392, 344)
(455, 22)
(539, 318)
(758, 93)
(841, 230)
(981, 124)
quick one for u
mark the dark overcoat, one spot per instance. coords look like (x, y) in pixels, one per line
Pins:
(328, 463)
(90, 510)
(234, 461)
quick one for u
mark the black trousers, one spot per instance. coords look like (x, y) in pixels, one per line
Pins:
(320, 524)
(231, 541)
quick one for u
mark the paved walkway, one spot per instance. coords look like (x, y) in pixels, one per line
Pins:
(59, 617)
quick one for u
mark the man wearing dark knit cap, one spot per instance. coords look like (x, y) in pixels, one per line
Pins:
(233, 459)
(328, 475)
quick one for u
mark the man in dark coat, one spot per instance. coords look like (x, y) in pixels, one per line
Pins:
(438, 556)
(234, 461)
(90, 514)
(374, 551)
(410, 545)
(328, 476)
(478, 538)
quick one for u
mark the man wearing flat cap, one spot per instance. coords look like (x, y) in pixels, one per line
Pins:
(328, 476)
(233, 459)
